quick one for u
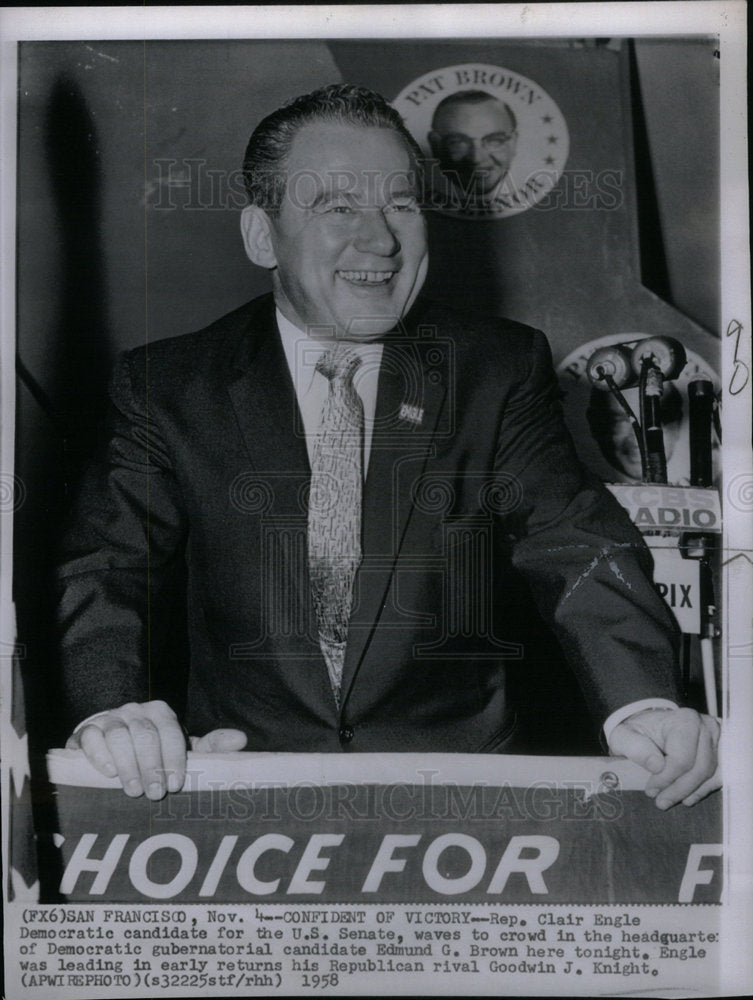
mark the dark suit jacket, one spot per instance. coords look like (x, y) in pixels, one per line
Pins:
(473, 485)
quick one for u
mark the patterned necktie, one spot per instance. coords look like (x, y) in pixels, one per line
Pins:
(334, 519)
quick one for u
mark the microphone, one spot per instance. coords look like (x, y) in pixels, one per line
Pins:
(664, 353)
(654, 360)
(646, 363)
(610, 369)
(652, 385)
(700, 416)
(610, 366)
(623, 363)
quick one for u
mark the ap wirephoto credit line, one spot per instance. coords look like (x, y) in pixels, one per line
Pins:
(376, 495)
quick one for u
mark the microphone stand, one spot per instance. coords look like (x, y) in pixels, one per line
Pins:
(649, 363)
(701, 547)
(651, 386)
(628, 410)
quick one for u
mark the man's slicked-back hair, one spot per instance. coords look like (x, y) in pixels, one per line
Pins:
(341, 103)
(471, 97)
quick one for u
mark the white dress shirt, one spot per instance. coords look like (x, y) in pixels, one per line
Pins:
(311, 387)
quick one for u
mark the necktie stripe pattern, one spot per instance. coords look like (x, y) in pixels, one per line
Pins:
(334, 517)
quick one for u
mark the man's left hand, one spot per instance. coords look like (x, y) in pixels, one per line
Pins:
(679, 747)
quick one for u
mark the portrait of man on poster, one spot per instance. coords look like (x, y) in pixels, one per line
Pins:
(474, 137)
(328, 461)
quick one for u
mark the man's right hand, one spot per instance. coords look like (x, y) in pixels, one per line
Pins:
(144, 745)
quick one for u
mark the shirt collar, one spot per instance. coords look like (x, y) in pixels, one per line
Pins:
(302, 351)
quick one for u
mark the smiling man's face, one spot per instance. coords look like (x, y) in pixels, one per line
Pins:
(475, 144)
(349, 241)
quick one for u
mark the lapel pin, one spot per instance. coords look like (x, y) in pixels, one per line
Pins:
(412, 414)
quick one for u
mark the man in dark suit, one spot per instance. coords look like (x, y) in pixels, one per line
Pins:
(358, 482)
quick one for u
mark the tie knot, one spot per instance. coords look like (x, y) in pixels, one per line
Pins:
(339, 363)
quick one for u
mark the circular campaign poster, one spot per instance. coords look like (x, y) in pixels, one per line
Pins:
(495, 142)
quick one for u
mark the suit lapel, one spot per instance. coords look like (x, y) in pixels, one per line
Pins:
(411, 391)
(266, 408)
(412, 388)
(263, 398)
